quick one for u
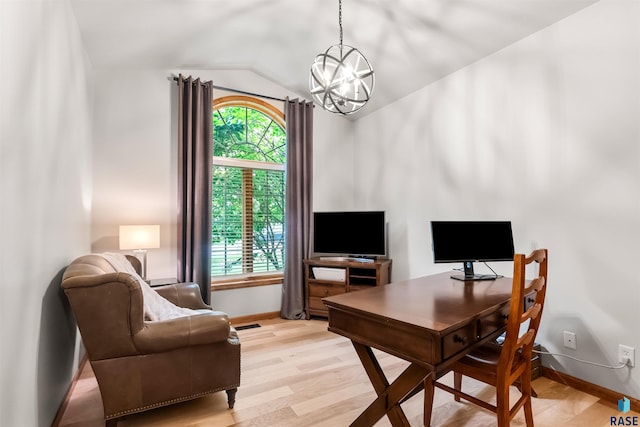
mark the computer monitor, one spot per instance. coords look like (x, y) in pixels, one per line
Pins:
(470, 241)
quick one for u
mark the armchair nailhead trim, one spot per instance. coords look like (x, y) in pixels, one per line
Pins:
(167, 402)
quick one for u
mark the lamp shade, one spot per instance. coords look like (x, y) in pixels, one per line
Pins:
(139, 237)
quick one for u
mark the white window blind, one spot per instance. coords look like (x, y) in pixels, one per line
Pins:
(248, 232)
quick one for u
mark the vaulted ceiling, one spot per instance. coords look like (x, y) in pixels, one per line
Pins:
(410, 43)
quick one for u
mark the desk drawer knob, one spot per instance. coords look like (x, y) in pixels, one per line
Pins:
(458, 339)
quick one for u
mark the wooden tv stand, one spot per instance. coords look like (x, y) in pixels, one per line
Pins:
(357, 275)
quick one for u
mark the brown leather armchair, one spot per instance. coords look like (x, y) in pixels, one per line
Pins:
(141, 365)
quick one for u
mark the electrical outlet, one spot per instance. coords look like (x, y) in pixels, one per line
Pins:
(570, 340)
(627, 354)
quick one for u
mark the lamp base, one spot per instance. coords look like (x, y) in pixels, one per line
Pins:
(141, 254)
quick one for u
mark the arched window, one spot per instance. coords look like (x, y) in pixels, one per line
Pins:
(248, 190)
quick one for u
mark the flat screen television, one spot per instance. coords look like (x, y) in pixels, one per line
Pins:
(470, 241)
(356, 234)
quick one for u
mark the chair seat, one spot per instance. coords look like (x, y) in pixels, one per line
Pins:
(482, 364)
(487, 355)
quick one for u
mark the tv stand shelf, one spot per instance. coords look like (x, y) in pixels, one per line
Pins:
(346, 275)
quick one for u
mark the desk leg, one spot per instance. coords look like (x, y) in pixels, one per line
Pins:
(389, 396)
(429, 389)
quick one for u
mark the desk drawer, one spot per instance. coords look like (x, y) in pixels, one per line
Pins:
(493, 322)
(458, 340)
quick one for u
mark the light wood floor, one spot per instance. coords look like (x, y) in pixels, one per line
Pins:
(296, 373)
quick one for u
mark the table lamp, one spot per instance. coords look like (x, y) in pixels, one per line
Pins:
(139, 238)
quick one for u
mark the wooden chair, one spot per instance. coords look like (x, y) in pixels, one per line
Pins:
(510, 363)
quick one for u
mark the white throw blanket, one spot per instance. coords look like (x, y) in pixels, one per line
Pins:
(156, 307)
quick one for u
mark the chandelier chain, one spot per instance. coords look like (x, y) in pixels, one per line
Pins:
(340, 19)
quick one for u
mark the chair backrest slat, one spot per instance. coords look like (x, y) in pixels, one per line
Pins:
(531, 313)
(525, 339)
(535, 285)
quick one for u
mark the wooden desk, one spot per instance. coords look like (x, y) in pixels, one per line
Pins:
(430, 321)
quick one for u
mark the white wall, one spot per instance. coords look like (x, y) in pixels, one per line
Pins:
(135, 165)
(544, 133)
(45, 188)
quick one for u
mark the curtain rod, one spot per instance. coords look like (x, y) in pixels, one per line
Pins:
(242, 92)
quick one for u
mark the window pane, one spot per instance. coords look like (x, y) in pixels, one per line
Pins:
(226, 220)
(267, 223)
(245, 133)
(268, 220)
(247, 234)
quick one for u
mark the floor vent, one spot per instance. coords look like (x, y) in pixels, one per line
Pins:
(251, 326)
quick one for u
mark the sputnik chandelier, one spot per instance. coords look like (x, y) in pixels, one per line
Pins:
(341, 78)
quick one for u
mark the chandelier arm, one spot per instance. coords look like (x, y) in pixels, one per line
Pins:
(340, 63)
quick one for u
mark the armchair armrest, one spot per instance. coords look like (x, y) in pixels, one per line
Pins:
(204, 328)
(183, 295)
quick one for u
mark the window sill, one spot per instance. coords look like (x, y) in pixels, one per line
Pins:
(238, 282)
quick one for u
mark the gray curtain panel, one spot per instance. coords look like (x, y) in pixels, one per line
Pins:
(195, 150)
(298, 204)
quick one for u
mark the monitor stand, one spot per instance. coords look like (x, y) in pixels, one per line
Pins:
(469, 276)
